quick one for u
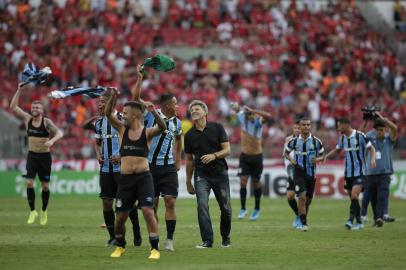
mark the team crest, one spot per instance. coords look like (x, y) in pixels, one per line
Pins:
(297, 188)
(119, 203)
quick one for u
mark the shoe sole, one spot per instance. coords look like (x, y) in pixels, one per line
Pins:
(117, 256)
(348, 226)
(149, 258)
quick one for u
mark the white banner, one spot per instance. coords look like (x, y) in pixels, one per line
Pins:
(330, 179)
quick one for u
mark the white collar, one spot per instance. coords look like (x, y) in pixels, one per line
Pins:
(310, 136)
(353, 133)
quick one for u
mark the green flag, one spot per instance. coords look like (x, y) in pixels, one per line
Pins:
(159, 62)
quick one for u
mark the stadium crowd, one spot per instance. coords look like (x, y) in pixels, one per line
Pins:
(325, 63)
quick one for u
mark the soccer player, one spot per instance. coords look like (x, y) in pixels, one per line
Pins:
(378, 178)
(308, 150)
(206, 146)
(135, 183)
(354, 144)
(251, 159)
(107, 148)
(164, 157)
(290, 190)
(39, 160)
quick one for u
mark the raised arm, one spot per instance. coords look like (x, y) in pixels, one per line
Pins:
(265, 115)
(364, 126)
(392, 126)
(235, 107)
(16, 109)
(108, 110)
(136, 91)
(89, 123)
(57, 133)
(161, 125)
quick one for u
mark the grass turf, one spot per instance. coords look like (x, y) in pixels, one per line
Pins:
(73, 240)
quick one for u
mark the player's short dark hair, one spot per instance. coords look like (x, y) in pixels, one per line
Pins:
(379, 123)
(134, 105)
(343, 120)
(304, 118)
(165, 97)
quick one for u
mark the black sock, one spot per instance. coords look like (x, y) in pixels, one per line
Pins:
(257, 194)
(154, 240)
(120, 240)
(357, 210)
(353, 209)
(31, 198)
(243, 197)
(293, 205)
(45, 199)
(303, 219)
(134, 220)
(170, 228)
(109, 220)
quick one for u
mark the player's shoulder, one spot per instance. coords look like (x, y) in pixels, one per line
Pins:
(317, 139)
(215, 125)
(290, 139)
(360, 132)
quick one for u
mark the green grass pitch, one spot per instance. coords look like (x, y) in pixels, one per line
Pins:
(73, 240)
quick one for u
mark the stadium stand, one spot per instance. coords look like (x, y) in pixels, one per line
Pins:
(325, 63)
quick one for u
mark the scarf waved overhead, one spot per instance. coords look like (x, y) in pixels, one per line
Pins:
(159, 62)
(90, 92)
(32, 74)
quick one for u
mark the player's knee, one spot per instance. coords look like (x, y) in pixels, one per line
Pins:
(45, 186)
(121, 218)
(148, 213)
(30, 183)
(107, 204)
(243, 181)
(170, 203)
(257, 184)
(290, 196)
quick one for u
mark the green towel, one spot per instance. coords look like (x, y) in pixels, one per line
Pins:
(159, 62)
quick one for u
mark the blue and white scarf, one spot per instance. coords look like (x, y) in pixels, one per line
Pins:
(90, 92)
(32, 74)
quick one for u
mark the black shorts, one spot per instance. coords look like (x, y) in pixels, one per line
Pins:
(291, 185)
(165, 180)
(353, 181)
(39, 163)
(108, 184)
(303, 182)
(134, 187)
(251, 165)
